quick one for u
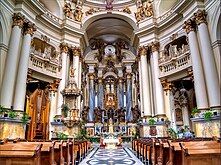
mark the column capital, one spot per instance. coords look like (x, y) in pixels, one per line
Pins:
(120, 80)
(129, 75)
(91, 76)
(76, 51)
(200, 17)
(189, 26)
(142, 50)
(18, 20)
(64, 47)
(100, 80)
(166, 85)
(30, 28)
(155, 46)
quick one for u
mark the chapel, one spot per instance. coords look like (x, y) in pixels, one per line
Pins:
(110, 82)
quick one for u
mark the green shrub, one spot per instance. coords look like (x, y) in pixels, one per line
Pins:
(208, 115)
(12, 114)
(195, 110)
(151, 121)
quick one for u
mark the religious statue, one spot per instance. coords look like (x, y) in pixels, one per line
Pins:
(121, 114)
(78, 14)
(111, 129)
(85, 113)
(98, 115)
(109, 4)
(148, 9)
(136, 114)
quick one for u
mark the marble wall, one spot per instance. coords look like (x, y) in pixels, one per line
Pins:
(12, 129)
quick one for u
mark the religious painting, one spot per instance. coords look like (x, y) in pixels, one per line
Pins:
(179, 115)
(90, 132)
(153, 131)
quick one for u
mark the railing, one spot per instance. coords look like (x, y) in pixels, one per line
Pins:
(48, 66)
(175, 62)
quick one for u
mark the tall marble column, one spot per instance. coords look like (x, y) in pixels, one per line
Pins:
(91, 98)
(76, 55)
(120, 93)
(64, 51)
(208, 60)
(199, 81)
(141, 88)
(129, 115)
(145, 82)
(160, 109)
(20, 88)
(100, 94)
(9, 77)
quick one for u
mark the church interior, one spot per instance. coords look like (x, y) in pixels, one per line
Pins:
(110, 82)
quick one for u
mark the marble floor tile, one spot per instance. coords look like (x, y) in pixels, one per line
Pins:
(121, 156)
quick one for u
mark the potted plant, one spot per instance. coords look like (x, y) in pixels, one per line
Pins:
(65, 109)
(3, 111)
(25, 117)
(195, 112)
(12, 114)
(208, 115)
(172, 133)
(151, 121)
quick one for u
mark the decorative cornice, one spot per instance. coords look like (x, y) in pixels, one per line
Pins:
(18, 20)
(142, 51)
(189, 25)
(200, 17)
(30, 28)
(64, 47)
(76, 51)
(155, 46)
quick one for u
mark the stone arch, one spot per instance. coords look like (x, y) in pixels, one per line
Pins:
(4, 30)
(96, 16)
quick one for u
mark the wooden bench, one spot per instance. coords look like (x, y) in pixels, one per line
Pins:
(175, 151)
(19, 154)
(200, 155)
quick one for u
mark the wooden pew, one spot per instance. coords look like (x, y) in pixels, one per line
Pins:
(66, 152)
(200, 155)
(58, 152)
(47, 151)
(175, 152)
(28, 154)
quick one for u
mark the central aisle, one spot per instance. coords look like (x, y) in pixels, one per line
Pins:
(111, 157)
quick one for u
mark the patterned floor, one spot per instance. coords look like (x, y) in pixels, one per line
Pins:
(111, 157)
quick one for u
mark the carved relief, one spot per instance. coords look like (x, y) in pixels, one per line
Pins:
(144, 10)
(126, 10)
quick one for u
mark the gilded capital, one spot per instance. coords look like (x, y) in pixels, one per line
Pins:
(155, 46)
(30, 28)
(99, 80)
(64, 47)
(18, 20)
(200, 17)
(189, 26)
(142, 51)
(129, 75)
(91, 76)
(76, 51)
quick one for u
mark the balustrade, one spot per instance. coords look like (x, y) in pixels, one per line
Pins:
(174, 60)
(47, 66)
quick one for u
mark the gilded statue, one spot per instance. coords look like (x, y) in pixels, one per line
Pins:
(78, 14)
(67, 10)
(126, 10)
